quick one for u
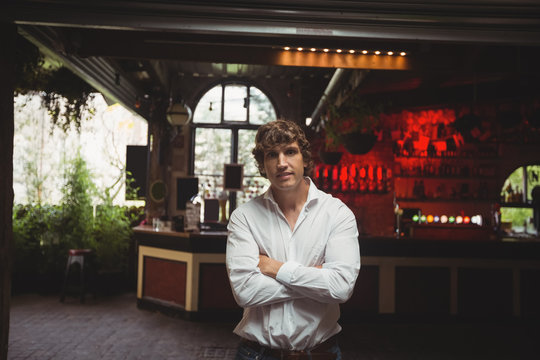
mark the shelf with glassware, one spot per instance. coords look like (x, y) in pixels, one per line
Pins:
(457, 177)
(444, 189)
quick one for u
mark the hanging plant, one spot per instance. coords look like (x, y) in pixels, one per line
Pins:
(352, 124)
(66, 96)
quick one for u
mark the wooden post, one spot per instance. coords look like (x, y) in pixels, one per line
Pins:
(7, 42)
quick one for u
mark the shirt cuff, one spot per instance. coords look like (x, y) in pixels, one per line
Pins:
(285, 272)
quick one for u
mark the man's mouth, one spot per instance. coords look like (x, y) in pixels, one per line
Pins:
(283, 174)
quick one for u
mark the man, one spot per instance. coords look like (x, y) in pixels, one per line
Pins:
(292, 255)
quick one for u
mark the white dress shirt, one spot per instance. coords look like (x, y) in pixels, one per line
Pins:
(300, 308)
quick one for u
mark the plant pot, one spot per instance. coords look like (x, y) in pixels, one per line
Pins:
(330, 157)
(358, 143)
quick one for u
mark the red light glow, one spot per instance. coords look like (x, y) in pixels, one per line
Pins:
(363, 173)
(343, 175)
(379, 173)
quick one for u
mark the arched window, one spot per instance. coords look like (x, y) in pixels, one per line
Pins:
(517, 211)
(225, 122)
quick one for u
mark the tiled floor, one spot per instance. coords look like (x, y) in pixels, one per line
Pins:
(114, 328)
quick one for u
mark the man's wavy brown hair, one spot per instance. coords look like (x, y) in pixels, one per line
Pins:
(281, 132)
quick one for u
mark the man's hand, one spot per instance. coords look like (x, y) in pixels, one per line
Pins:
(268, 266)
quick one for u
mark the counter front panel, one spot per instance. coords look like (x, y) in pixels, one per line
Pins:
(409, 277)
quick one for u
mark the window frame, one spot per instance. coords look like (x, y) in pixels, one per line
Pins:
(234, 126)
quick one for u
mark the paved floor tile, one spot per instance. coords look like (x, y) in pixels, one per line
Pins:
(114, 328)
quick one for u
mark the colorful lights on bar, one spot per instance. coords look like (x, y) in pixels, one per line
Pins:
(350, 51)
(445, 219)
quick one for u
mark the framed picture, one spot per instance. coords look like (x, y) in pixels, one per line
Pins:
(233, 177)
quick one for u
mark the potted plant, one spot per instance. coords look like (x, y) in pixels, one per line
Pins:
(353, 124)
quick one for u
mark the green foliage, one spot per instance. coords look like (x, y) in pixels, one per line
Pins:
(44, 233)
(40, 252)
(77, 205)
(30, 72)
(65, 95)
(131, 189)
(112, 232)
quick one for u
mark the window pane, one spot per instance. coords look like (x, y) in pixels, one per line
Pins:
(254, 184)
(235, 100)
(517, 221)
(212, 150)
(533, 179)
(513, 186)
(261, 110)
(208, 109)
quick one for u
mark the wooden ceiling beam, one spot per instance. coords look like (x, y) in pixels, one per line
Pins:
(489, 21)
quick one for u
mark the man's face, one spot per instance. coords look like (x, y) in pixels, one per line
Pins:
(284, 166)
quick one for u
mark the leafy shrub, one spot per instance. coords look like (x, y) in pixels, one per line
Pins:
(44, 234)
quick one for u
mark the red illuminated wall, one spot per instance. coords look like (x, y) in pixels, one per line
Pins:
(420, 161)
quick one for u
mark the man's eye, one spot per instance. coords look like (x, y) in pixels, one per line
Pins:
(291, 152)
(271, 155)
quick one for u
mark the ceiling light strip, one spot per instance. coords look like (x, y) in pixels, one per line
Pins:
(350, 51)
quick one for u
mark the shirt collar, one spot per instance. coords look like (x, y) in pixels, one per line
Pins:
(313, 192)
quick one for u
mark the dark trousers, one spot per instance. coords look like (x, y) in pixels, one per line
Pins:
(249, 352)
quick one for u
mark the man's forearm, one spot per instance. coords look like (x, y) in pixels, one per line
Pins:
(269, 266)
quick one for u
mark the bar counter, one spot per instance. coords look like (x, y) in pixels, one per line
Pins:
(184, 274)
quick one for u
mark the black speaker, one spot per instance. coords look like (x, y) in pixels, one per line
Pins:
(136, 164)
(186, 188)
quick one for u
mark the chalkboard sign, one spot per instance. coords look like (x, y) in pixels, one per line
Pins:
(233, 177)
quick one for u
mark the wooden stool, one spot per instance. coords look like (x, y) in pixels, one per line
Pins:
(77, 256)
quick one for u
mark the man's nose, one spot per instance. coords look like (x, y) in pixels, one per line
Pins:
(282, 160)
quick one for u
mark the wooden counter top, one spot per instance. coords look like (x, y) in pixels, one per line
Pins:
(216, 242)
(195, 242)
(168, 232)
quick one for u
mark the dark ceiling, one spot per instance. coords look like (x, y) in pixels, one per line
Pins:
(455, 49)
